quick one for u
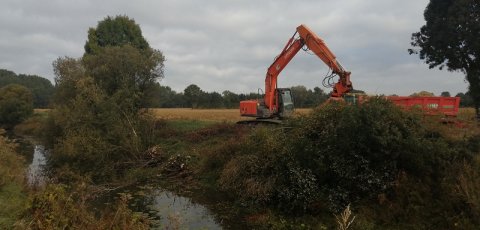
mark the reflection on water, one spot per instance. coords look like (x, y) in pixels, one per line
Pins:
(168, 210)
(172, 211)
(35, 157)
(36, 168)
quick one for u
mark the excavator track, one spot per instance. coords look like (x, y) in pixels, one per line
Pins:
(255, 122)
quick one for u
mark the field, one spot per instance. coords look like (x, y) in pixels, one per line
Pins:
(217, 115)
(233, 115)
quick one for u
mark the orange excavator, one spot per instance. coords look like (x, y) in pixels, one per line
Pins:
(278, 102)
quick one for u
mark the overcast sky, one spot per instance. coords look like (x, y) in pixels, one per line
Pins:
(228, 44)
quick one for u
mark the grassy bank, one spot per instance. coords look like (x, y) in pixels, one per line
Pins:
(393, 170)
(54, 205)
(13, 197)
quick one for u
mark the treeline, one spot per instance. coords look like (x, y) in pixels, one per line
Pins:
(466, 99)
(163, 96)
(194, 97)
(41, 88)
(159, 96)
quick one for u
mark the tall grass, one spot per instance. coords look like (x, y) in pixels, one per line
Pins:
(13, 198)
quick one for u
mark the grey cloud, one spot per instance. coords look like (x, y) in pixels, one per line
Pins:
(228, 45)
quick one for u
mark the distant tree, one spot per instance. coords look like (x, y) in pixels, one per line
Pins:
(450, 38)
(6, 73)
(41, 88)
(177, 100)
(319, 96)
(193, 94)
(302, 97)
(422, 94)
(306, 98)
(16, 104)
(213, 100)
(445, 94)
(465, 99)
(230, 99)
(250, 96)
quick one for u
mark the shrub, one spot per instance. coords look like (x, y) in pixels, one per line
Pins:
(265, 170)
(468, 186)
(337, 155)
(94, 136)
(16, 104)
(59, 207)
(358, 149)
(32, 126)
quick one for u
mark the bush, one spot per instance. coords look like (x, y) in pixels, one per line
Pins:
(341, 154)
(16, 104)
(32, 126)
(58, 206)
(265, 170)
(359, 148)
(95, 137)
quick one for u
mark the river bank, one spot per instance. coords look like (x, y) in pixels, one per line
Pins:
(216, 175)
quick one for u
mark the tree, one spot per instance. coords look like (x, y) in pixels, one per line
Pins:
(230, 99)
(301, 96)
(16, 104)
(445, 94)
(41, 88)
(67, 72)
(319, 96)
(97, 124)
(422, 94)
(118, 31)
(465, 99)
(121, 61)
(450, 39)
(193, 93)
(213, 100)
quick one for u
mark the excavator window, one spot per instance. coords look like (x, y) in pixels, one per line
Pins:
(286, 102)
(287, 97)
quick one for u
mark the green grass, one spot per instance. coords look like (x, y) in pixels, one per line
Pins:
(13, 201)
(189, 125)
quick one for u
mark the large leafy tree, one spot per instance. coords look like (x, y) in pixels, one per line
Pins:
(121, 61)
(450, 39)
(98, 124)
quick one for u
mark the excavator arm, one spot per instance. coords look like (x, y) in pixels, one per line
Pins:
(291, 49)
(318, 46)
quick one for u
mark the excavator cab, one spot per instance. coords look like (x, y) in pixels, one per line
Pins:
(285, 102)
(257, 108)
